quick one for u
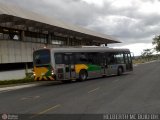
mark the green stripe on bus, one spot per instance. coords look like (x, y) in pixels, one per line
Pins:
(49, 71)
(92, 67)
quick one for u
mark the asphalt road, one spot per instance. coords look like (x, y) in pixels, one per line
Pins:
(135, 92)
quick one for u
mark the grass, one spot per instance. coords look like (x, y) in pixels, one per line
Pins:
(143, 60)
(28, 79)
(139, 61)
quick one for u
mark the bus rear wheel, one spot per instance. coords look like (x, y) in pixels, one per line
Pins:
(83, 75)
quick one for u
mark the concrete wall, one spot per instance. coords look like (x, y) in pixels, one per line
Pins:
(18, 51)
(14, 74)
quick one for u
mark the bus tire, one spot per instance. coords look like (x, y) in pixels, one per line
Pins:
(83, 75)
(119, 71)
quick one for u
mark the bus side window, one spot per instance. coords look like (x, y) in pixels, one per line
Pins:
(59, 58)
(101, 59)
(119, 58)
(90, 58)
(126, 58)
(72, 58)
(69, 59)
(111, 58)
(129, 58)
(66, 59)
(93, 58)
(83, 58)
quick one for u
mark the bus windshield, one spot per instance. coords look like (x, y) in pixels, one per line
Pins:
(41, 57)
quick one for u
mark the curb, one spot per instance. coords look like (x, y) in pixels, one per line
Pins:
(27, 85)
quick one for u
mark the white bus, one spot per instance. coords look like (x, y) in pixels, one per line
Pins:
(68, 64)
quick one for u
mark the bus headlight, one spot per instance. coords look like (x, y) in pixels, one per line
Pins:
(52, 72)
(34, 74)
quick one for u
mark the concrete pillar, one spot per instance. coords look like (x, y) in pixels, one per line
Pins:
(68, 42)
(49, 40)
(22, 36)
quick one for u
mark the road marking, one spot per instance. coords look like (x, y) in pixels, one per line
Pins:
(93, 90)
(30, 98)
(115, 81)
(135, 65)
(44, 111)
(5, 91)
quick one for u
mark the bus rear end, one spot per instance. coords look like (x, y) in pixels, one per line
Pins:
(43, 69)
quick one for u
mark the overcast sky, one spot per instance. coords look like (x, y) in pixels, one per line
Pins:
(133, 22)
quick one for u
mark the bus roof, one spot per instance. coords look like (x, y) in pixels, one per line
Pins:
(89, 49)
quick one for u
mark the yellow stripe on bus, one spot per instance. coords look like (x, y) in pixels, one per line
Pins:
(79, 67)
(40, 78)
(51, 78)
(45, 77)
(35, 78)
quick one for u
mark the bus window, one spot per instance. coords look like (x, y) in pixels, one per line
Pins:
(126, 58)
(111, 59)
(119, 58)
(41, 57)
(90, 58)
(129, 58)
(59, 58)
(69, 59)
(94, 58)
(81, 58)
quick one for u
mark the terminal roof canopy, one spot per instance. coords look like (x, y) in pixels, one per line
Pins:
(15, 17)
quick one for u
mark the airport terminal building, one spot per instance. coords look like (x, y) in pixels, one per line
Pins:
(22, 32)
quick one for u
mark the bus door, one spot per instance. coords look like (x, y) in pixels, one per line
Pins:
(128, 61)
(111, 64)
(69, 66)
(101, 57)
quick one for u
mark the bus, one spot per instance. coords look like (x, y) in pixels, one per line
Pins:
(67, 64)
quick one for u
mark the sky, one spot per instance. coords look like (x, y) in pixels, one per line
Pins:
(133, 22)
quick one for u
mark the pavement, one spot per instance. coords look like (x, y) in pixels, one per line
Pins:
(134, 92)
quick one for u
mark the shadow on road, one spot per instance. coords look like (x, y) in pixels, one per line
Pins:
(55, 83)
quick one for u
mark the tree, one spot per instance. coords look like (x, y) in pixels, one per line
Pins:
(156, 41)
(147, 53)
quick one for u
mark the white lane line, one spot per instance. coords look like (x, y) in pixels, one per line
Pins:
(30, 98)
(46, 110)
(93, 90)
(135, 65)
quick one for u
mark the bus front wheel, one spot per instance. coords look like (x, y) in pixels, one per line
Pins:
(83, 75)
